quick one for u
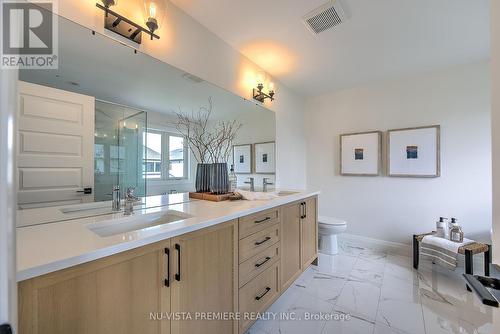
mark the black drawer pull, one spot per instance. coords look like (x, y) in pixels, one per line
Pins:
(263, 294)
(167, 279)
(262, 220)
(261, 242)
(178, 273)
(259, 264)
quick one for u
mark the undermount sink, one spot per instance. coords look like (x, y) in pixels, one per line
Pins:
(286, 193)
(136, 222)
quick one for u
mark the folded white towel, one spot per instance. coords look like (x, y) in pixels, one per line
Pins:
(255, 196)
(441, 251)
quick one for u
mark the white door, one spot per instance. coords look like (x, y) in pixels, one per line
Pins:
(55, 154)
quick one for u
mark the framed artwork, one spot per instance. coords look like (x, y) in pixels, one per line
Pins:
(265, 158)
(242, 159)
(361, 153)
(414, 152)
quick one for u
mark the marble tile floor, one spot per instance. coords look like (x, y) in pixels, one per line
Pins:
(365, 291)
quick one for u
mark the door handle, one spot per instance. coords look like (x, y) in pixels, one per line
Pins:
(305, 210)
(167, 279)
(257, 243)
(178, 273)
(85, 191)
(257, 265)
(262, 295)
(302, 210)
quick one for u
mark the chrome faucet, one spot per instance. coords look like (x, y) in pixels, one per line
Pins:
(265, 183)
(115, 206)
(130, 199)
(251, 182)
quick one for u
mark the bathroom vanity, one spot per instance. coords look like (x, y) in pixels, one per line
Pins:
(228, 259)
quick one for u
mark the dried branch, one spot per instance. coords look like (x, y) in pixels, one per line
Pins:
(207, 144)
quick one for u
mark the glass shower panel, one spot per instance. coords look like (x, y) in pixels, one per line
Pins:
(118, 149)
(131, 152)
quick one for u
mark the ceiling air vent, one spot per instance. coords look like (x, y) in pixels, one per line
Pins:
(192, 78)
(325, 17)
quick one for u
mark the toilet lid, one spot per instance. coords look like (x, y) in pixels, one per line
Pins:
(331, 221)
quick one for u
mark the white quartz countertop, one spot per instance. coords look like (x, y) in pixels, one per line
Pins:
(49, 247)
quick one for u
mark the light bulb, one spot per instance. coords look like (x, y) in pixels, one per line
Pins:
(271, 86)
(261, 77)
(154, 11)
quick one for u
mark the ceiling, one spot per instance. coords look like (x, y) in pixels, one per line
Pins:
(382, 39)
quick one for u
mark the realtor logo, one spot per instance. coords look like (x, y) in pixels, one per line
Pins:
(29, 35)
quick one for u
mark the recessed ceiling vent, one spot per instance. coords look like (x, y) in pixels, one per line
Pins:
(192, 78)
(325, 17)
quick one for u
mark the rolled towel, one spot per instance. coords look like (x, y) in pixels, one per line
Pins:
(441, 251)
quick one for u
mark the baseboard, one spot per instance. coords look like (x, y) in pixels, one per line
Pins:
(377, 244)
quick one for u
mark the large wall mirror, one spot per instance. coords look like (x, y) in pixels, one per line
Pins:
(106, 118)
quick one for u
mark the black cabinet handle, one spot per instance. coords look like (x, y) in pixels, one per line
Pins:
(263, 294)
(167, 279)
(5, 329)
(261, 242)
(178, 273)
(305, 210)
(257, 265)
(262, 220)
(302, 210)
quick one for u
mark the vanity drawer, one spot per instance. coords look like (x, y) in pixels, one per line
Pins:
(258, 263)
(259, 294)
(259, 241)
(257, 222)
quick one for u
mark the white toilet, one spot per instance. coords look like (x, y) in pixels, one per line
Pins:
(328, 228)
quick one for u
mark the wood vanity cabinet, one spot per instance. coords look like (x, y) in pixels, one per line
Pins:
(198, 278)
(299, 238)
(205, 278)
(309, 231)
(111, 295)
(290, 243)
(120, 293)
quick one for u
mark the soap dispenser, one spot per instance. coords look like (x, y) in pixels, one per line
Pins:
(456, 233)
(441, 227)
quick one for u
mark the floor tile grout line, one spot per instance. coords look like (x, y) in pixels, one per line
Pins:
(379, 297)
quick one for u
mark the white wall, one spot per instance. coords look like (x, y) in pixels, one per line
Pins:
(495, 119)
(188, 45)
(393, 209)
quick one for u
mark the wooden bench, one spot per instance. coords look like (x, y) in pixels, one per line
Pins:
(468, 250)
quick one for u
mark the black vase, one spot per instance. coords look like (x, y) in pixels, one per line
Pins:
(219, 180)
(202, 182)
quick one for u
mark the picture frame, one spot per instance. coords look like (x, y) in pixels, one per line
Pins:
(242, 159)
(265, 158)
(361, 153)
(414, 152)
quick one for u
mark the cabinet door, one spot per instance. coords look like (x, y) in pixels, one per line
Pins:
(309, 232)
(206, 279)
(290, 243)
(117, 294)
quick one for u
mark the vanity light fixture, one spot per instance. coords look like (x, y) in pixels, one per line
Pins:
(129, 29)
(258, 93)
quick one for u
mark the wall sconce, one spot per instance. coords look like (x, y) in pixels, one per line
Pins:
(154, 10)
(258, 94)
